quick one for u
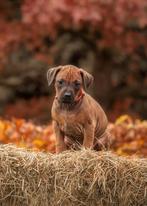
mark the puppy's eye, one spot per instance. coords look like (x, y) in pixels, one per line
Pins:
(77, 85)
(60, 82)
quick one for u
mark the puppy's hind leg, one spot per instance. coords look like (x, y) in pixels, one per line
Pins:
(103, 142)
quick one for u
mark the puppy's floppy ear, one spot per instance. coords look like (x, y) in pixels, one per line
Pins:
(87, 78)
(51, 74)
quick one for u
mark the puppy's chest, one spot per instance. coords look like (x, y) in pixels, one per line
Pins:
(71, 127)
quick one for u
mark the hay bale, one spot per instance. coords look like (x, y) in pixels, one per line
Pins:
(72, 178)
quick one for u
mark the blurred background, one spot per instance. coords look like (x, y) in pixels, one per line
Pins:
(108, 38)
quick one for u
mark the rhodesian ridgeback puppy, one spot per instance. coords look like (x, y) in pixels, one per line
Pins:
(78, 119)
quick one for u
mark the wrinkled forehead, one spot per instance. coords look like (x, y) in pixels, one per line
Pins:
(69, 74)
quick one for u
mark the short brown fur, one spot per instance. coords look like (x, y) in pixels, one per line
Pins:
(83, 121)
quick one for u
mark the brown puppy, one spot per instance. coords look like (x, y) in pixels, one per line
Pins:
(78, 119)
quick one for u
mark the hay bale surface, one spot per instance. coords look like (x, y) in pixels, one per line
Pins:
(72, 178)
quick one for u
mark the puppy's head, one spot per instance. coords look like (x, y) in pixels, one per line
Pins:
(70, 82)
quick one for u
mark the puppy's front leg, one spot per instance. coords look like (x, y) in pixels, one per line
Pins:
(88, 136)
(60, 144)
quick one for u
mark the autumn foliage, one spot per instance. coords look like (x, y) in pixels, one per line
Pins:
(113, 19)
(129, 137)
(106, 37)
(26, 134)
(119, 24)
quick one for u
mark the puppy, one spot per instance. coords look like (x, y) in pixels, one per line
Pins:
(78, 119)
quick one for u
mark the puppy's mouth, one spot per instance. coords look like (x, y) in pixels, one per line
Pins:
(67, 101)
(67, 98)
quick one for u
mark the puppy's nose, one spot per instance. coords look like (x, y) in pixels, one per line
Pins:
(67, 95)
